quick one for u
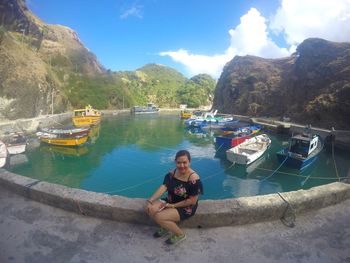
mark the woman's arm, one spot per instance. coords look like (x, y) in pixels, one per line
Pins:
(158, 193)
(191, 200)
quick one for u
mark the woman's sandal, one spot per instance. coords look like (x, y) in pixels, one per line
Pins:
(160, 233)
(174, 239)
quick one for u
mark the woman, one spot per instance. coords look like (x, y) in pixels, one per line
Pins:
(183, 186)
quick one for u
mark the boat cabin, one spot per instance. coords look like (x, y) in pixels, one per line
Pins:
(209, 115)
(88, 111)
(303, 144)
(150, 108)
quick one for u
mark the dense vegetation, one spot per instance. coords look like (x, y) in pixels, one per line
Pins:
(159, 84)
(46, 66)
(43, 65)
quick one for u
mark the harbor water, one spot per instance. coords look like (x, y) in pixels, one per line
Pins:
(129, 155)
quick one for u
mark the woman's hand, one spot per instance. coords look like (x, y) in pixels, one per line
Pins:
(167, 205)
(162, 206)
(148, 206)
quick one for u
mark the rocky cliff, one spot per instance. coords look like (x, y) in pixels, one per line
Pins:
(35, 61)
(311, 87)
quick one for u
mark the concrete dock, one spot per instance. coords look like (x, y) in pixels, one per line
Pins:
(35, 232)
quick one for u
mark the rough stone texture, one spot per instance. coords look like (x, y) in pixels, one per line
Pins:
(33, 232)
(311, 86)
(211, 213)
(33, 124)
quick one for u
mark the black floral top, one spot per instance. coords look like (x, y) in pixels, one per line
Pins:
(180, 190)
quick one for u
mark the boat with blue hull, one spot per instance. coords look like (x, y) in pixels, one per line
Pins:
(235, 135)
(210, 120)
(303, 151)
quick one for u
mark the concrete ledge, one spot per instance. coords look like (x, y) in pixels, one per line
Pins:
(210, 213)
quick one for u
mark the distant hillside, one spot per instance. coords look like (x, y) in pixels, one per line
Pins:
(311, 87)
(41, 64)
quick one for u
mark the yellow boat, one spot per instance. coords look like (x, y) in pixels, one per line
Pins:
(184, 114)
(85, 117)
(67, 141)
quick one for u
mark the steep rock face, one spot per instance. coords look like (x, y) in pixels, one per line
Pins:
(311, 87)
(36, 61)
(13, 17)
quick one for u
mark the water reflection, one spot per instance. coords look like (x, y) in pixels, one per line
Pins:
(94, 133)
(18, 159)
(64, 150)
(129, 155)
(199, 136)
(250, 187)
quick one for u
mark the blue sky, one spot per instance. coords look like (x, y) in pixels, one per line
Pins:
(194, 36)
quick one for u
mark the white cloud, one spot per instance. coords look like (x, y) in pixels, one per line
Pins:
(135, 10)
(249, 37)
(197, 64)
(300, 19)
(295, 20)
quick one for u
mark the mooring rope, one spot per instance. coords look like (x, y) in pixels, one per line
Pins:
(216, 173)
(58, 123)
(307, 178)
(79, 207)
(134, 186)
(299, 175)
(289, 220)
(275, 169)
(219, 147)
(335, 164)
(157, 177)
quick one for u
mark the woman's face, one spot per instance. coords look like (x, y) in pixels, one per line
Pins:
(182, 164)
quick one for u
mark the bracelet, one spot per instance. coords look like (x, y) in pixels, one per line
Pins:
(149, 201)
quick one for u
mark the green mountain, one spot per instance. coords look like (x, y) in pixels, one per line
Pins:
(43, 65)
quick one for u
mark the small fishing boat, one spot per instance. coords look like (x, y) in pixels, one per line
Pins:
(185, 114)
(86, 117)
(235, 134)
(67, 131)
(150, 108)
(16, 143)
(226, 142)
(64, 137)
(209, 119)
(303, 151)
(3, 154)
(53, 139)
(239, 127)
(250, 150)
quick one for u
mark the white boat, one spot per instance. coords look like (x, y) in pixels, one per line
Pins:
(150, 108)
(210, 119)
(249, 151)
(16, 143)
(67, 131)
(3, 154)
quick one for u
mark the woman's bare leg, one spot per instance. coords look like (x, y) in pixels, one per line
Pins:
(167, 219)
(153, 209)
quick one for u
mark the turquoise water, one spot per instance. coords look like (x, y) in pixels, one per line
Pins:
(129, 155)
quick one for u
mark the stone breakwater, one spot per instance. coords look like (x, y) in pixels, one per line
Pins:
(210, 213)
